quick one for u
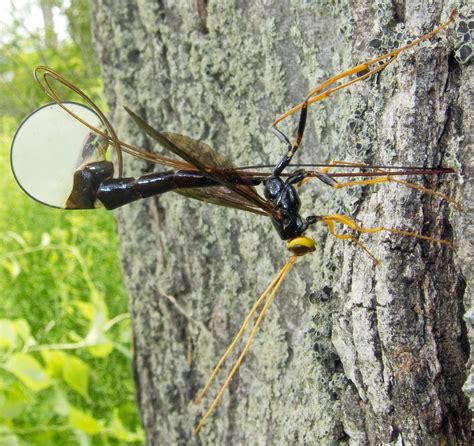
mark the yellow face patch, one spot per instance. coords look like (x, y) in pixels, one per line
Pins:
(300, 246)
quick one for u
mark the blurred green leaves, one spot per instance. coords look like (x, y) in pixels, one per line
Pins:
(64, 374)
(28, 370)
(23, 48)
(65, 334)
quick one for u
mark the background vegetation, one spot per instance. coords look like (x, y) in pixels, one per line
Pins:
(65, 347)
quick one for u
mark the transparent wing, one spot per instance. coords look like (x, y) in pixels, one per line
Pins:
(199, 155)
(221, 196)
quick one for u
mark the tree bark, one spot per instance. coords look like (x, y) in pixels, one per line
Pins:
(347, 354)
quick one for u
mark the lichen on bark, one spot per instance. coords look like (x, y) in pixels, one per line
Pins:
(347, 354)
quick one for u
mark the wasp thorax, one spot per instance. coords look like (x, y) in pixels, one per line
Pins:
(299, 246)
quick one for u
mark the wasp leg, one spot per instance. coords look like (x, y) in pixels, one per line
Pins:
(292, 148)
(297, 177)
(308, 221)
(330, 220)
(385, 179)
(300, 177)
(362, 71)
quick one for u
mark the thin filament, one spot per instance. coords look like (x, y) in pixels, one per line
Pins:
(51, 92)
(119, 145)
(276, 285)
(236, 339)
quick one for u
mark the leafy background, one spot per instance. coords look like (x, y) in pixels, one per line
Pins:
(65, 335)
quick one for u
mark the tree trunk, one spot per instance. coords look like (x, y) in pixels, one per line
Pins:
(347, 354)
(50, 37)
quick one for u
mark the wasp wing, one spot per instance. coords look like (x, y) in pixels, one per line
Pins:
(221, 196)
(211, 164)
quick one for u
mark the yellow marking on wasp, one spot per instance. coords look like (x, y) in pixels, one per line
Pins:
(300, 246)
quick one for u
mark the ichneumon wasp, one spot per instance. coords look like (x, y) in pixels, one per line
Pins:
(83, 178)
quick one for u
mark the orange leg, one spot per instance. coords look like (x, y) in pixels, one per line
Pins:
(379, 180)
(362, 71)
(329, 221)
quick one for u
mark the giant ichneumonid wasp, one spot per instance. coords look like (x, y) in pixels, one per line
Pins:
(58, 158)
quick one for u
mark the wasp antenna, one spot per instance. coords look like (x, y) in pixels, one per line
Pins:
(236, 339)
(276, 285)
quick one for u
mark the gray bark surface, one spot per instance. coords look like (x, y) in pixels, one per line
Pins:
(346, 354)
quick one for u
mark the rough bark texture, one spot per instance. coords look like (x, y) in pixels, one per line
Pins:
(347, 354)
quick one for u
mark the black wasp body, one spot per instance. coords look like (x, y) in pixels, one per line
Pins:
(93, 184)
(283, 195)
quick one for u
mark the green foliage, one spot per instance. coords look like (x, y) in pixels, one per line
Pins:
(65, 334)
(22, 50)
(64, 361)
